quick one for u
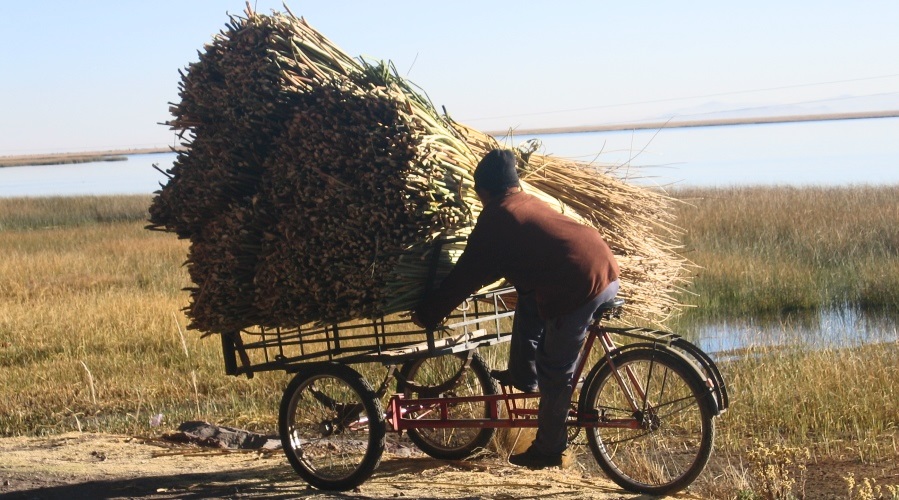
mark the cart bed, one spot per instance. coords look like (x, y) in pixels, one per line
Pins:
(483, 319)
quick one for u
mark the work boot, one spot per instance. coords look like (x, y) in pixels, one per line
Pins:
(504, 377)
(533, 459)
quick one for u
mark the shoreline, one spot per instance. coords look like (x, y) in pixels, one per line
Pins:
(121, 154)
(82, 157)
(691, 123)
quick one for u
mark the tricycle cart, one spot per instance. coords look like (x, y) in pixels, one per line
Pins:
(647, 405)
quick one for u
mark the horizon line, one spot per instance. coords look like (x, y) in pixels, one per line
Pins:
(9, 160)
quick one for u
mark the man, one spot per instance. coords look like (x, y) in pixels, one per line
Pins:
(562, 271)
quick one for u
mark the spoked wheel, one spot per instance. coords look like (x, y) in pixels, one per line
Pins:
(332, 427)
(672, 430)
(459, 375)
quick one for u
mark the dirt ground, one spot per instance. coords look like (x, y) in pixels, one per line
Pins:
(101, 466)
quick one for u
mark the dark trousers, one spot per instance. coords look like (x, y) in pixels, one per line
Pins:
(543, 355)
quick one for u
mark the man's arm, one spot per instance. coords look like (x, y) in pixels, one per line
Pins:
(474, 269)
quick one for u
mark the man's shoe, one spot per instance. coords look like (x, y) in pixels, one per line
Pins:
(504, 377)
(533, 459)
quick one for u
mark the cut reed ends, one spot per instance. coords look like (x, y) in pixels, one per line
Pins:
(315, 187)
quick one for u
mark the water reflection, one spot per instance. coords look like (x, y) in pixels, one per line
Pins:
(825, 329)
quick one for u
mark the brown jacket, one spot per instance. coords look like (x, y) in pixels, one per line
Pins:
(522, 239)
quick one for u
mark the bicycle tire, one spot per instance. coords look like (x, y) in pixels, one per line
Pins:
(675, 440)
(431, 373)
(332, 427)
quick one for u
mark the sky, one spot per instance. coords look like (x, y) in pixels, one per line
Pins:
(82, 75)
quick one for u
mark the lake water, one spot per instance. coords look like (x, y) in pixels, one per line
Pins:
(825, 329)
(809, 153)
(133, 176)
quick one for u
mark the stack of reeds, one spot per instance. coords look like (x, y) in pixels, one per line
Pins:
(315, 187)
(637, 223)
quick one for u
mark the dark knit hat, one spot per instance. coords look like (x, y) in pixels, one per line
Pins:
(496, 172)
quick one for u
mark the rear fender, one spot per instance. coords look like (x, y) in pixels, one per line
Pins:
(713, 401)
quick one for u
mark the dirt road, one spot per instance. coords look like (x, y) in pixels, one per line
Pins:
(95, 466)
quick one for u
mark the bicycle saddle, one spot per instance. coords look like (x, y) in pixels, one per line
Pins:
(607, 307)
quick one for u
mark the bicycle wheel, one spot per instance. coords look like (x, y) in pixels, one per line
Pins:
(672, 430)
(446, 377)
(332, 427)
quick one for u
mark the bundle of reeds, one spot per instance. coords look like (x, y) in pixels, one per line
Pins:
(315, 187)
(637, 223)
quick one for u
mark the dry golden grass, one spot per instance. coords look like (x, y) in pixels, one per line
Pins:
(90, 313)
(837, 401)
(765, 251)
(768, 250)
(92, 336)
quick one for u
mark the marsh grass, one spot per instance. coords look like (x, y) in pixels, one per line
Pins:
(837, 401)
(90, 312)
(769, 250)
(56, 212)
(92, 336)
(92, 333)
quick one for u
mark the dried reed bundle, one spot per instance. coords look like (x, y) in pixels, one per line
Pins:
(314, 186)
(638, 223)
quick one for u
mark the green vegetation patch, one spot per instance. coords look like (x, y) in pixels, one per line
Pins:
(54, 212)
(769, 250)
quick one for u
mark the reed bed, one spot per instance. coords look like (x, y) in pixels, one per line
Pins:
(777, 254)
(89, 325)
(819, 414)
(54, 212)
(108, 294)
(834, 401)
(57, 159)
(769, 250)
(92, 338)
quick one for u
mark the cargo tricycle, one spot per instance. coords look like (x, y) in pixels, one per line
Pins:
(645, 399)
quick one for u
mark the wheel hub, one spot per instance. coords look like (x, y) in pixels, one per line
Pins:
(648, 420)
